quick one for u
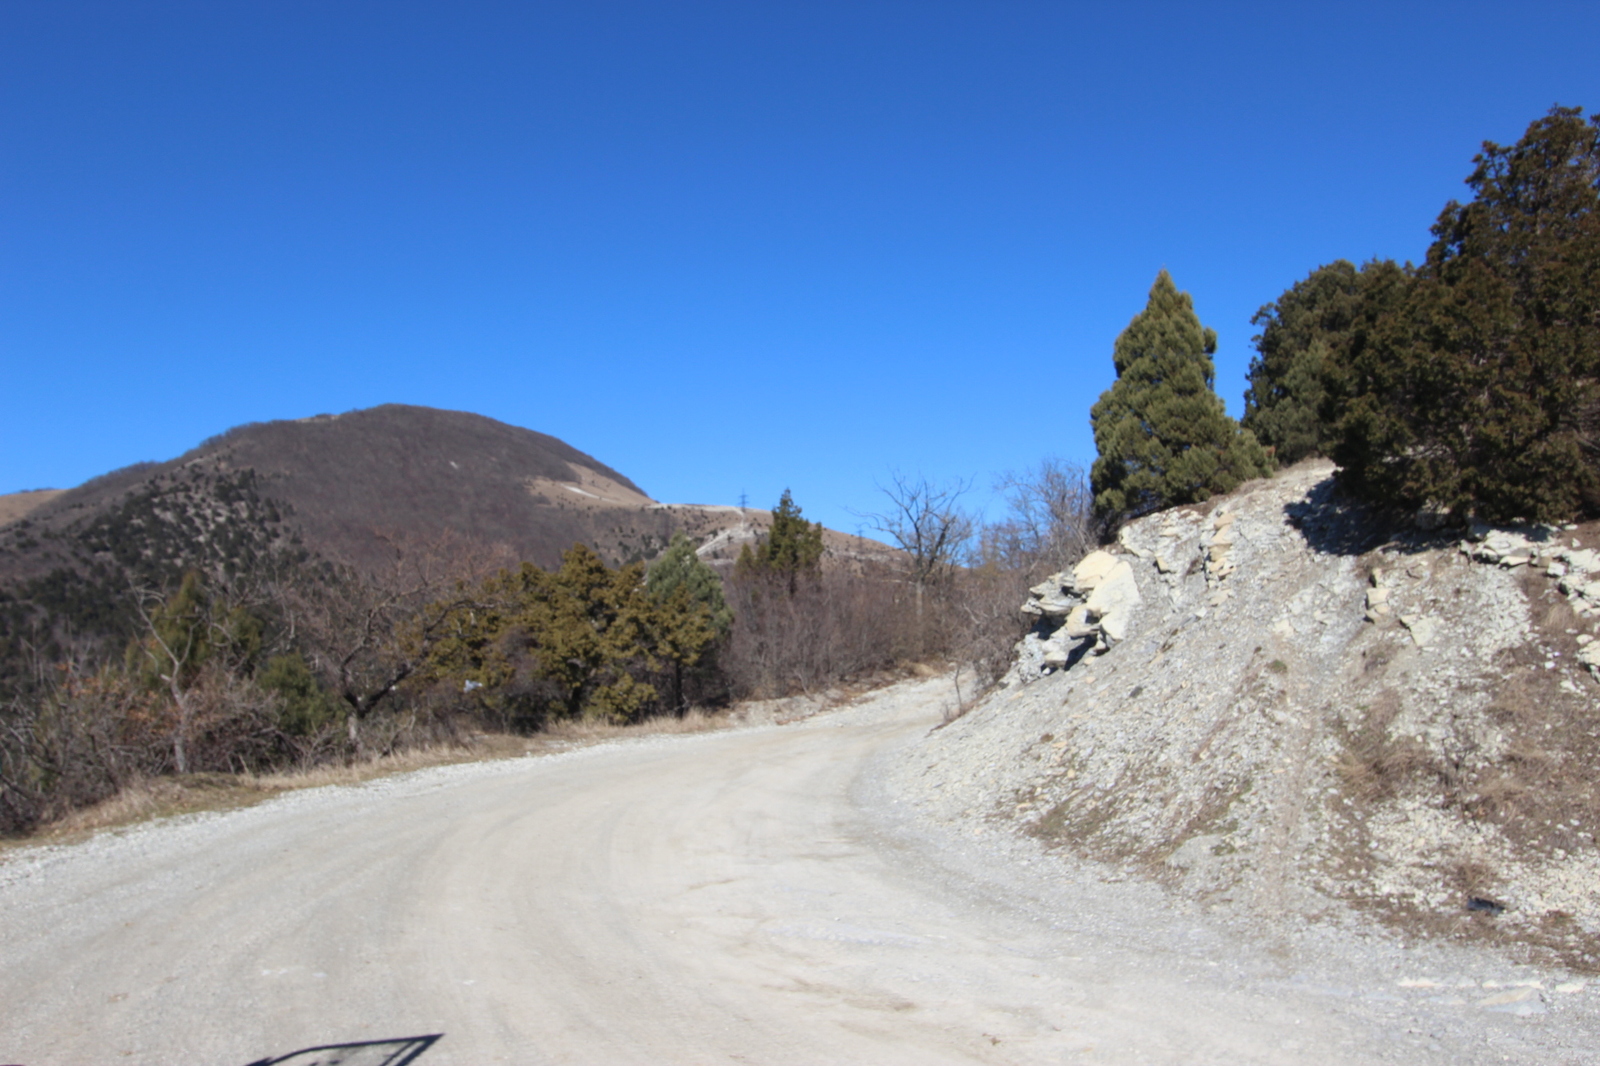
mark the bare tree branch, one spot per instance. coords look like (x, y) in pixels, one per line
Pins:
(926, 521)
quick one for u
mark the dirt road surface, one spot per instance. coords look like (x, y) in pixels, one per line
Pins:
(751, 896)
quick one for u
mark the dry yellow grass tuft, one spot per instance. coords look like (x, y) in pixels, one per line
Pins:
(584, 730)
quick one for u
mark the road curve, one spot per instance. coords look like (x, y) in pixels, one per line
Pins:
(747, 896)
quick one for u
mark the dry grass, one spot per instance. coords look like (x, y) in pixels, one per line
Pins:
(1374, 765)
(590, 730)
(1543, 790)
(15, 505)
(164, 797)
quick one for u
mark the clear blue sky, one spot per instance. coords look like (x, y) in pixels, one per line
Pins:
(723, 247)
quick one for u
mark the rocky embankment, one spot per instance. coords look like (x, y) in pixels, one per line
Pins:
(1274, 705)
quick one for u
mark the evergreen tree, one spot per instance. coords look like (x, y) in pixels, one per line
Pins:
(691, 614)
(1312, 332)
(581, 632)
(680, 566)
(588, 628)
(791, 547)
(304, 706)
(189, 631)
(1163, 434)
(1480, 392)
(581, 640)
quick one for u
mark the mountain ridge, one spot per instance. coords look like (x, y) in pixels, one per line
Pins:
(359, 490)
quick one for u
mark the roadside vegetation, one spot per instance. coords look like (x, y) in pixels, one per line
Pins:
(1467, 387)
(233, 681)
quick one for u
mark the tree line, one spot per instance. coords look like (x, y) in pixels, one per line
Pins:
(1465, 386)
(256, 669)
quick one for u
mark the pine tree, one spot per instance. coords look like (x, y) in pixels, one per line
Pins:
(691, 614)
(680, 566)
(1309, 334)
(582, 632)
(791, 547)
(1480, 393)
(589, 628)
(1163, 434)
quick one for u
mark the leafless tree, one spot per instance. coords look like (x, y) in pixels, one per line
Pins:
(1050, 522)
(179, 632)
(927, 522)
(368, 633)
(841, 625)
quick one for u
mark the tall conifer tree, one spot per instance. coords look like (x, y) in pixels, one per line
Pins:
(1163, 434)
(791, 547)
(1308, 335)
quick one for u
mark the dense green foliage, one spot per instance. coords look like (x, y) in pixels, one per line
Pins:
(680, 566)
(190, 630)
(1315, 329)
(1162, 432)
(688, 595)
(304, 706)
(1477, 393)
(581, 641)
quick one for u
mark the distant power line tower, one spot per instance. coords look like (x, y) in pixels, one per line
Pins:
(744, 499)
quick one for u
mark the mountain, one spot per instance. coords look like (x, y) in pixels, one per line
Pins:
(345, 482)
(347, 488)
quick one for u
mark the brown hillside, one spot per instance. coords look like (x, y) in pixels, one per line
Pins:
(269, 500)
(15, 505)
(350, 485)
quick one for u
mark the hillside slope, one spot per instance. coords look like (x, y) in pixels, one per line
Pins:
(1304, 715)
(348, 484)
(15, 505)
(359, 489)
(347, 481)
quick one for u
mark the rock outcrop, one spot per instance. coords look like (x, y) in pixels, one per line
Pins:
(1574, 568)
(1274, 701)
(1088, 608)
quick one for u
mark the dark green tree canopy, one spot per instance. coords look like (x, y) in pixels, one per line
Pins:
(1310, 332)
(1478, 392)
(791, 546)
(692, 617)
(681, 567)
(1163, 434)
(582, 640)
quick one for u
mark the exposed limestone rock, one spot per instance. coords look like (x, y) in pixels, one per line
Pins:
(1302, 709)
(1050, 599)
(1138, 550)
(1094, 568)
(1510, 545)
(1090, 608)
(1079, 624)
(1218, 544)
(1423, 628)
(1113, 600)
(1575, 569)
(1377, 601)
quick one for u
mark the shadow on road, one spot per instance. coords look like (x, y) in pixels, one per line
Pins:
(368, 1053)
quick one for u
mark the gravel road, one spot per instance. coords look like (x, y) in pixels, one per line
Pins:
(757, 895)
